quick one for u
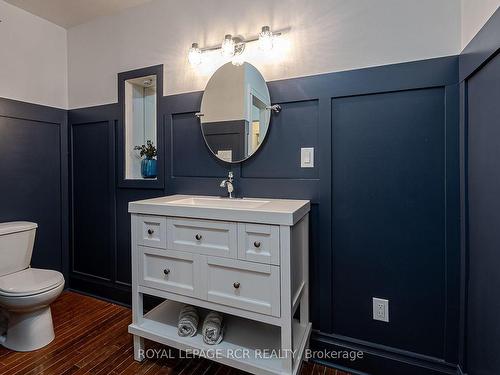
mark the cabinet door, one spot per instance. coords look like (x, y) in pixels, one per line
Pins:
(245, 285)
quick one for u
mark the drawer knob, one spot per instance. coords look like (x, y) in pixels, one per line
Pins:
(166, 271)
(150, 231)
(256, 243)
(236, 285)
(198, 237)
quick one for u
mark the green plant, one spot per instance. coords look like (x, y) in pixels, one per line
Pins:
(149, 150)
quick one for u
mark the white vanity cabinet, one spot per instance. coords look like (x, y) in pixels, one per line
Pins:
(247, 258)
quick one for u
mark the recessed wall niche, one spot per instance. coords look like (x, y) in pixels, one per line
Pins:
(140, 143)
(140, 121)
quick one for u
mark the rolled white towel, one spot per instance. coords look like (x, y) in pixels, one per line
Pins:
(188, 321)
(213, 328)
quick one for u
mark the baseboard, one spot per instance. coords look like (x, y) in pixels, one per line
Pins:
(109, 292)
(376, 360)
(100, 289)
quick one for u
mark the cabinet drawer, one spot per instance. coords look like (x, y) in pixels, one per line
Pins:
(259, 243)
(245, 285)
(167, 270)
(152, 231)
(207, 237)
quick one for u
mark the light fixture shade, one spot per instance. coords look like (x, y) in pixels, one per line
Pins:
(266, 39)
(194, 55)
(227, 48)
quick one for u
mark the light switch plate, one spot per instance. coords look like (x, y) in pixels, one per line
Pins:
(307, 157)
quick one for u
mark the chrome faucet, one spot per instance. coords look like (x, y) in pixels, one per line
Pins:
(228, 183)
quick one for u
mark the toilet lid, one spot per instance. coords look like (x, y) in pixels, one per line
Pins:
(30, 281)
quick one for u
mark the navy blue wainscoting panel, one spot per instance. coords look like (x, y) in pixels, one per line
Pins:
(190, 155)
(279, 157)
(33, 176)
(93, 202)
(93, 187)
(394, 215)
(483, 302)
(480, 203)
(389, 217)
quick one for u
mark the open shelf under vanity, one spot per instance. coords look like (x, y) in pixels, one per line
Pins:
(248, 345)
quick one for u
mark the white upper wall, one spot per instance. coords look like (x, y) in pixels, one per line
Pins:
(325, 36)
(475, 13)
(33, 58)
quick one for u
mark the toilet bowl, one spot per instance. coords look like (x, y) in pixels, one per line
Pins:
(25, 293)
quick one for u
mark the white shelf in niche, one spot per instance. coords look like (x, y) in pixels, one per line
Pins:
(160, 325)
(142, 179)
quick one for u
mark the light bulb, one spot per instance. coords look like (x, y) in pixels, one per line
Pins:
(266, 39)
(194, 55)
(238, 59)
(227, 47)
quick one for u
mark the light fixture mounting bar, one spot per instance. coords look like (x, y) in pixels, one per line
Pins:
(253, 38)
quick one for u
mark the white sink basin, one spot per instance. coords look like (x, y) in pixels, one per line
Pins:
(220, 202)
(247, 210)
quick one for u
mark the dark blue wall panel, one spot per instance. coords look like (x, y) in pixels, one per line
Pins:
(483, 302)
(190, 156)
(389, 217)
(33, 176)
(480, 205)
(295, 127)
(93, 185)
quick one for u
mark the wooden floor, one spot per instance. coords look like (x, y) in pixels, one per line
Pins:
(92, 338)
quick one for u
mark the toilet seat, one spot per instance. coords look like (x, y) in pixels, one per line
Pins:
(29, 282)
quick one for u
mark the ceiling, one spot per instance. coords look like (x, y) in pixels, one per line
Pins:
(69, 13)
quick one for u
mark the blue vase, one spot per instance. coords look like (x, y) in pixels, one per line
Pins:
(148, 168)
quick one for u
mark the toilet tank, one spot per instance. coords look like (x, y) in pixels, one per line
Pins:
(16, 245)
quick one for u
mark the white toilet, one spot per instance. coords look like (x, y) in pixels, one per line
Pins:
(25, 293)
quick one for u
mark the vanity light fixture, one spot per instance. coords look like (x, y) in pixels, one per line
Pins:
(227, 47)
(233, 47)
(266, 39)
(194, 55)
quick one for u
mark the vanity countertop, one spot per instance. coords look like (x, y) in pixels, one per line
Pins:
(254, 210)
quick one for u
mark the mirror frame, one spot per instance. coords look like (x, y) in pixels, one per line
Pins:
(159, 182)
(213, 154)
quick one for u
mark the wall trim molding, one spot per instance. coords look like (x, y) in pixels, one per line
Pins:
(480, 52)
(482, 48)
(33, 112)
(395, 361)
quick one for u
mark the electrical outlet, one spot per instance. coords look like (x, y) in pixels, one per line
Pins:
(381, 309)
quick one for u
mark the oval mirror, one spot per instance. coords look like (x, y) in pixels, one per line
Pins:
(235, 112)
